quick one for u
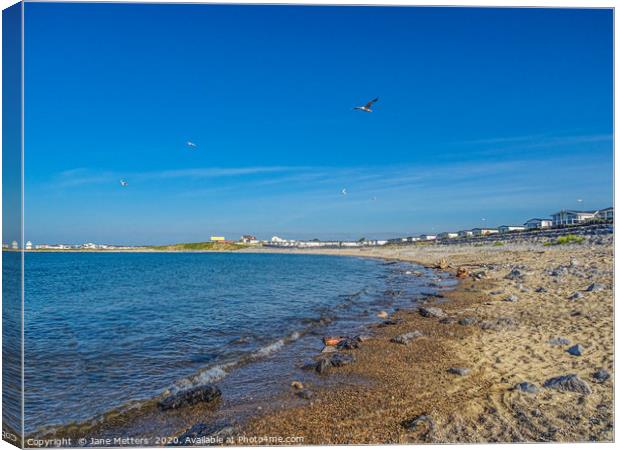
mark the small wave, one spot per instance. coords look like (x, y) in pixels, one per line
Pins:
(209, 375)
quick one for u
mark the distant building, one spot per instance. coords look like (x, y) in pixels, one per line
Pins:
(484, 231)
(536, 223)
(509, 228)
(217, 238)
(428, 237)
(606, 214)
(28, 245)
(572, 217)
(14, 245)
(277, 239)
(465, 233)
(249, 239)
(447, 235)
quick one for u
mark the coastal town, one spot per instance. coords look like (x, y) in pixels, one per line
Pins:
(562, 219)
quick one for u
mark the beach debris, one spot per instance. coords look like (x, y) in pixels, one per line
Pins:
(416, 423)
(526, 387)
(576, 350)
(304, 393)
(367, 106)
(297, 385)
(382, 315)
(568, 383)
(466, 321)
(332, 340)
(576, 296)
(600, 376)
(595, 287)
(511, 298)
(431, 311)
(559, 341)
(199, 394)
(406, 338)
(329, 349)
(460, 371)
(442, 264)
(515, 274)
(540, 289)
(462, 272)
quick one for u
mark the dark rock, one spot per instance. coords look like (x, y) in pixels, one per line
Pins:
(431, 312)
(406, 338)
(600, 376)
(207, 432)
(348, 344)
(595, 287)
(526, 387)
(199, 394)
(496, 292)
(515, 274)
(541, 289)
(418, 421)
(340, 359)
(390, 322)
(570, 383)
(559, 341)
(575, 350)
(304, 393)
(576, 296)
(323, 365)
(461, 371)
(466, 321)
(447, 320)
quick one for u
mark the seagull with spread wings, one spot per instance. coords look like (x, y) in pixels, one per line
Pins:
(191, 144)
(123, 183)
(366, 107)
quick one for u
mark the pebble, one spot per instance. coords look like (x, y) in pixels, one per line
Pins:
(511, 298)
(575, 350)
(541, 289)
(461, 371)
(527, 387)
(570, 383)
(595, 287)
(198, 394)
(600, 376)
(406, 338)
(466, 321)
(431, 312)
(297, 385)
(576, 296)
(559, 341)
(515, 274)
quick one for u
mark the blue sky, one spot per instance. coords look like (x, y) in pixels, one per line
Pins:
(502, 114)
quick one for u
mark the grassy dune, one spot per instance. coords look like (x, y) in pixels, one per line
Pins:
(198, 246)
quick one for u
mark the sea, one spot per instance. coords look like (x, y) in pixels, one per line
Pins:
(104, 330)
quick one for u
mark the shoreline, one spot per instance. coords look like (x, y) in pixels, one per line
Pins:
(505, 344)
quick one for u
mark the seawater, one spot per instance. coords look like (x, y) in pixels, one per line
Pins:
(105, 329)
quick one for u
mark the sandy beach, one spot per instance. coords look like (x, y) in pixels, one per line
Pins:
(514, 318)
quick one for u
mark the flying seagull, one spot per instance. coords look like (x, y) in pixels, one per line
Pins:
(374, 199)
(123, 183)
(344, 192)
(579, 200)
(366, 107)
(190, 144)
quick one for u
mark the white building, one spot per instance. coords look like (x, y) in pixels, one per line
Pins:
(428, 237)
(14, 245)
(572, 217)
(606, 214)
(484, 231)
(447, 235)
(278, 239)
(509, 228)
(28, 245)
(465, 233)
(536, 223)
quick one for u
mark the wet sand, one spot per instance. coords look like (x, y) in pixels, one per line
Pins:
(507, 343)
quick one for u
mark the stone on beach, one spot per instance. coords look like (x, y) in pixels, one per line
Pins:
(461, 371)
(415, 424)
(337, 360)
(199, 394)
(297, 385)
(406, 338)
(540, 289)
(600, 376)
(568, 383)
(202, 430)
(382, 315)
(466, 321)
(431, 312)
(559, 341)
(576, 296)
(526, 387)
(304, 393)
(576, 350)
(511, 298)
(462, 272)
(348, 344)
(595, 287)
(515, 274)
(329, 349)
(501, 323)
